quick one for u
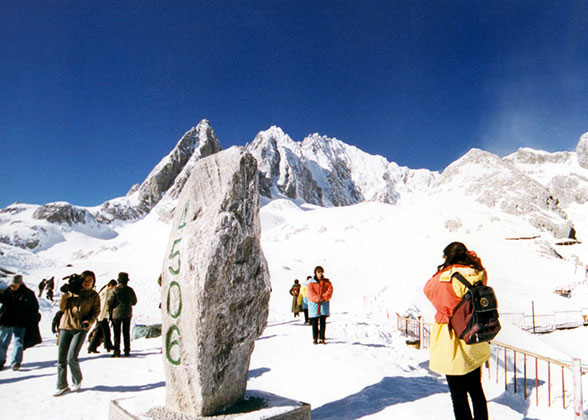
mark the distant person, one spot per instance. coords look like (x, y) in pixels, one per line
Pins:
(20, 312)
(81, 306)
(320, 291)
(120, 305)
(294, 292)
(459, 362)
(42, 285)
(303, 299)
(50, 287)
(102, 330)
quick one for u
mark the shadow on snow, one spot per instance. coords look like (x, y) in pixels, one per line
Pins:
(119, 388)
(375, 398)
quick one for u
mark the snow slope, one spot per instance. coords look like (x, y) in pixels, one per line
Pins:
(378, 257)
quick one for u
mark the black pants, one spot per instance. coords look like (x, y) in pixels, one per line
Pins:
(316, 331)
(102, 331)
(305, 315)
(462, 385)
(126, 331)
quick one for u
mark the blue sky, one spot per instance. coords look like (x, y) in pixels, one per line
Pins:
(94, 93)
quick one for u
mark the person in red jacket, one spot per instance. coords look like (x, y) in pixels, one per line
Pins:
(320, 291)
(450, 356)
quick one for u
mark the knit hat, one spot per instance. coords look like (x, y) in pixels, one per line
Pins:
(17, 279)
(123, 278)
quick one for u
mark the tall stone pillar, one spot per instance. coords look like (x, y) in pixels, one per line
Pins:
(215, 288)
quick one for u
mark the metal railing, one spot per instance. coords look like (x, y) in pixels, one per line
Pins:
(508, 359)
(539, 324)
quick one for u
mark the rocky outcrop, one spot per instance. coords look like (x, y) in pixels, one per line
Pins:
(215, 285)
(327, 172)
(63, 214)
(166, 178)
(582, 151)
(497, 183)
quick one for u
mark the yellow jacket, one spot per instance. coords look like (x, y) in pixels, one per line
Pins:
(303, 293)
(449, 354)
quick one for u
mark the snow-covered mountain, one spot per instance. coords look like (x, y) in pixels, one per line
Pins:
(544, 190)
(40, 227)
(327, 172)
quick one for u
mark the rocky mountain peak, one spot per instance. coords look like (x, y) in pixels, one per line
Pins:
(582, 151)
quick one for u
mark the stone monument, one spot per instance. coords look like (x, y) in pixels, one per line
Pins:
(215, 301)
(215, 285)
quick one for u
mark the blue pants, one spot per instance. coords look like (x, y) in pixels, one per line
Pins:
(70, 343)
(6, 334)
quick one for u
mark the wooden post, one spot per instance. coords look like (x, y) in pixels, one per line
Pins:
(420, 343)
(577, 384)
(515, 371)
(533, 312)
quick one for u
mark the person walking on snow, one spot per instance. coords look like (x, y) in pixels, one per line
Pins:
(102, 327)
(320, 291)
(49, 288)
(120, 306)
(450, 356)
(19, 318)
(294, 292)
(303, 299)
(42, 285)
(80, 309)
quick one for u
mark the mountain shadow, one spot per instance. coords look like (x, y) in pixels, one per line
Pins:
(375, 398)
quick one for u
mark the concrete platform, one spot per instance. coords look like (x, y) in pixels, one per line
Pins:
(258, 405)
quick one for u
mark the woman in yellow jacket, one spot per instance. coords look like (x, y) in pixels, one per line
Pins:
(459, 362)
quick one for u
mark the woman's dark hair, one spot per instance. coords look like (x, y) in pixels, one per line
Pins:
(318, 268)
(457, 253)
(91, 274)
(110, 283)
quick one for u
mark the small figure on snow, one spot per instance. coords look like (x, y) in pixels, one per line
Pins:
(120, 307)
(294, 292)
(49, 288)
(320, 291)
(101, 333)
(42, 285)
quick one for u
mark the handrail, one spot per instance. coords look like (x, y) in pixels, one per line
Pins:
(418, 330)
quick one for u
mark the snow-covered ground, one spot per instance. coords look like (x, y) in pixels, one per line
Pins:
(377, 256)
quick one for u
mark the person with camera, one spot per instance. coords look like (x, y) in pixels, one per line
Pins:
(120, 306)
(81, 306)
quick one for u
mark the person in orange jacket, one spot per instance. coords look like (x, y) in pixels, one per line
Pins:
(459, 362)
(320, 291)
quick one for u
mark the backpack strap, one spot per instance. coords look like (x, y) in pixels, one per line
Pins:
(462, 280)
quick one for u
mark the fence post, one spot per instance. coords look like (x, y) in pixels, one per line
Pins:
(420, 344)
(577, 383)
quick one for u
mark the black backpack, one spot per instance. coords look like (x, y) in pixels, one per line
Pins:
(475, 318)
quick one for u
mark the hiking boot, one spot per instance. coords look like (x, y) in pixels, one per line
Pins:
(16, 366)
(127, 354)
(2, 366)
(93, 351)
(314, 342)
(115, 354)
(61, 391)
(323, 341)
(76, 387)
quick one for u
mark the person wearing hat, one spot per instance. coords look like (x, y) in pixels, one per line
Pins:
(20, 309)
(120, 307)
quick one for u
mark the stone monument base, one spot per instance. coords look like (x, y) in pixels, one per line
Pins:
(257, 405)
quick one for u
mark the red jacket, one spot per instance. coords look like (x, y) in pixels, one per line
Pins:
(446, 294)
(321, 291)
